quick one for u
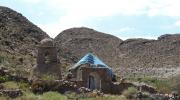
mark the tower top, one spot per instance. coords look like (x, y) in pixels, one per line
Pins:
(47, 42)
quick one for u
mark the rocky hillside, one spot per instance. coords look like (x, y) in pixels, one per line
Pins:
(76, 42)
(18, 38)
(163, 52)
(16, 32)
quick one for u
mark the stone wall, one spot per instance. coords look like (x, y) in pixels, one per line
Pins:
(62, 86)
(118, 88)
(11, 93)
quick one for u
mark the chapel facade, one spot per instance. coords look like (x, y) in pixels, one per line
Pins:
(92, 73)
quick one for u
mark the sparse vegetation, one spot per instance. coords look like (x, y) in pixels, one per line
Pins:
(162, 85)
(18, 38)
(10, 85)
(4, 78)
(130, 92)
(53, 96)
(3, 98)
(45, 96)
(29, 96)
(176, 84)
(13, 62)
(1, 59)
(49, 77)
(16, 85)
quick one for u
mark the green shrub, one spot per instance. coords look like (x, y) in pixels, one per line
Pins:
(161, 85)
(3, 97)
(16, 85)
(53, 96)
(23, 86)
(148, 80)
(108, 97)
(130, 92)
(1, 59)
(29, 96)
(49, 77)
(92, 96)
(74, 95)
(176, 87)
(10, 85)
(176, 83)
(4, 78)
(45, 96)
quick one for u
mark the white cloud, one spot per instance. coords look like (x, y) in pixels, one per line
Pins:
(64, 22)
(110, 7)
(164, 8)
(113, 7)
(177, 23)
(78, 12)
(31, 1)
(52, 29)
(94, 8)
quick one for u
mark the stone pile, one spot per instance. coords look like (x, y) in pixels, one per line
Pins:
(4, 71)
(84, 90)
(40, 86)
(145, 87)
(11, 93)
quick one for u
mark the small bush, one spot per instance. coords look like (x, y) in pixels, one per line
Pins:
(23, 86)
(16, 85)
(163, 86)
(49, 77)
(29, 96)
(3, 98)
(45, 96)
(130, 92)
(148, 80)
(4, 78)
(109, 97)
(53, 96)
(1, 59)
(122, 97)
(10, 85)
(74, 95)
(176, 84)
(160, 84)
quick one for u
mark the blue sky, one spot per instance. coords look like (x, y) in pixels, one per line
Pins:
(122, 18)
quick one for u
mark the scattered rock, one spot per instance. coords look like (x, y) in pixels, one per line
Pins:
(11, 93)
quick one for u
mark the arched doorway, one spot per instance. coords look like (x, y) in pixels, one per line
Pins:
(93, 81)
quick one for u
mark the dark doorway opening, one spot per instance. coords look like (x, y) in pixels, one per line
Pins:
(91, 82)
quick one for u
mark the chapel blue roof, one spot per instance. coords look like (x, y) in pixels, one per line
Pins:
(94, 61)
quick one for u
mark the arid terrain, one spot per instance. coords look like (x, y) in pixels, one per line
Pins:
(131, 58)
(20, 36)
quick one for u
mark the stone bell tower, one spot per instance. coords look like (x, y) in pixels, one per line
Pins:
(47, 54)
(47, 62)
